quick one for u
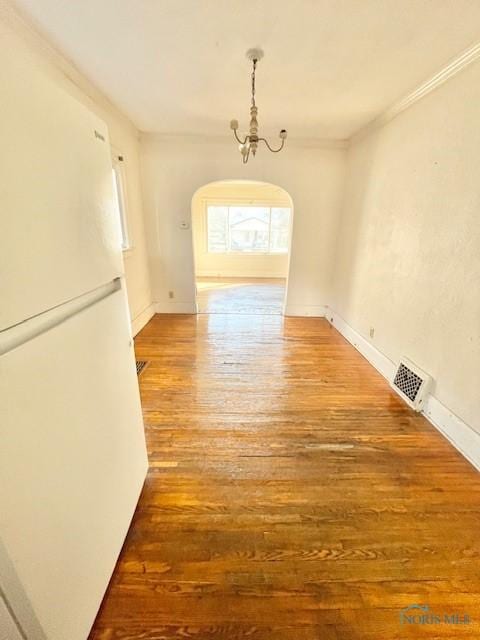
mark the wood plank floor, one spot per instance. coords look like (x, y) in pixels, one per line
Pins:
(291, 495)
(263, 296)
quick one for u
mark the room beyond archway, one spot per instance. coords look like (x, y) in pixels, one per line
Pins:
(241, 232)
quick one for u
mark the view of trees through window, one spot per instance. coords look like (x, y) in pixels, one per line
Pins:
(248, 229)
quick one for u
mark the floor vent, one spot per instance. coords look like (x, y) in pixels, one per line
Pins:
(140, 366)
(411, 383)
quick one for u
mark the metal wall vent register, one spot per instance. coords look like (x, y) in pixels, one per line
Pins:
(141, 364)
(411, 383)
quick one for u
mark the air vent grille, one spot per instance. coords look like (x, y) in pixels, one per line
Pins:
(407, 381)
(411, 383)
(141, 364)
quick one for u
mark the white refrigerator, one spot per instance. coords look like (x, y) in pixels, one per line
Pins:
(72, 445)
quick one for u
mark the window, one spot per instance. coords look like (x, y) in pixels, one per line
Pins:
(119, 190)
(247, 229)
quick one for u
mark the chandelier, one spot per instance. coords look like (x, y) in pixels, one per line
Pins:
(251, 140)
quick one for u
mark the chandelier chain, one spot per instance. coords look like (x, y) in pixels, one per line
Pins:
(253, 82)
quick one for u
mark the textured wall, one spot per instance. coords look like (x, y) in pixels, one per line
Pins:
(408, 257)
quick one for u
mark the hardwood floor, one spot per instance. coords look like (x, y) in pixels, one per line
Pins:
(291, 495)
(263, 296)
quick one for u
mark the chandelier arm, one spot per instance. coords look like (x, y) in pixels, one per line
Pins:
(270, 148)
(246, 157)
(239, 139)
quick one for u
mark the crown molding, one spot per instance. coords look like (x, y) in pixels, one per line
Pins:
(195, 138)
(455, 66)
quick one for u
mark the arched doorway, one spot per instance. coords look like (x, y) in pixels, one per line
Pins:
(241, 239)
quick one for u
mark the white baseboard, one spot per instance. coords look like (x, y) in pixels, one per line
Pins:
(460, 434)
(463, 437)
(142, 318)
(175, 307)
(317, 311)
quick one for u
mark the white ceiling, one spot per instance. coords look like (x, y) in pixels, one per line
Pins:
(330, 66)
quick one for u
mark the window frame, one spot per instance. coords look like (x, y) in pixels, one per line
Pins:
(246, 202)
(119, 175)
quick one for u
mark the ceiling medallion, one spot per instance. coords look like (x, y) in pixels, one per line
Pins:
(250, 143)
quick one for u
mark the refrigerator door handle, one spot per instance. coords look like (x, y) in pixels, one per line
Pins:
(26, 330)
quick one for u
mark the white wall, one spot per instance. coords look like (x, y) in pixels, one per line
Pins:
(19, 40)
(261, 265)
(408, 258)
(174, 168)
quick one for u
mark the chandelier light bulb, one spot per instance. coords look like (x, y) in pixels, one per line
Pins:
(251, 140)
